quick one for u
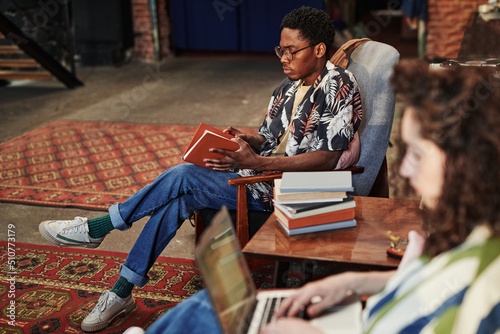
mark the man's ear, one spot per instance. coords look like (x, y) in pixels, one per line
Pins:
(320, 50)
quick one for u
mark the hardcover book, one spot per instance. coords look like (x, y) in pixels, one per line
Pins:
(205, 138)
(324, 218)
(316, 181)
(306, 197)
(310, 209)
(319, 228)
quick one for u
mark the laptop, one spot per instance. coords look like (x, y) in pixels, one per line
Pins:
(239, 306)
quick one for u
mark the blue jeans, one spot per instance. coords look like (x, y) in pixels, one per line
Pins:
(170, 200)
(194, 315)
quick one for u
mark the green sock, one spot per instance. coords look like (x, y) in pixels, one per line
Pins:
(100, 226)
(122, 288)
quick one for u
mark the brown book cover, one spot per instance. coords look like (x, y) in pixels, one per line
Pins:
(324, 218)
(205, 138)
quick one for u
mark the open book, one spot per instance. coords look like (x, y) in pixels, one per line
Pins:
(205, 138)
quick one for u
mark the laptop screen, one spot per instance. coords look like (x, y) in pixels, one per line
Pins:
(225, 272)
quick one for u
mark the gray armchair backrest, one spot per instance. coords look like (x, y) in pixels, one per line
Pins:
(372, 63)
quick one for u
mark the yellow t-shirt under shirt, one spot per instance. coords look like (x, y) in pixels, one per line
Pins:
(299, 96)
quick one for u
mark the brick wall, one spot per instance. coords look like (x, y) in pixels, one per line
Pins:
(446, 25)
(144, 32)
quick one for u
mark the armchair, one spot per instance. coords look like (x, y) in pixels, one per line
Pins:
(371, 63)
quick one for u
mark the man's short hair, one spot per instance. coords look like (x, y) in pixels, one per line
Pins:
(314, 25)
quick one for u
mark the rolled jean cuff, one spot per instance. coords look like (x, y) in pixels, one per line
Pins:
(116, 218)
(133, 277)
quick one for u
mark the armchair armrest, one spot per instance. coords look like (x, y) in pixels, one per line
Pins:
(354, 169)
(254, 179)
(277, 175)
(241, 201)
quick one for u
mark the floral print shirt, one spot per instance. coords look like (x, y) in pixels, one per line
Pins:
(325, 120)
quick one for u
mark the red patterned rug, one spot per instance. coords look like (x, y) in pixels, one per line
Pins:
(52, 289)
(88, 165)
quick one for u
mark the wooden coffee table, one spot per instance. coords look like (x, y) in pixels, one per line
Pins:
(362, 247)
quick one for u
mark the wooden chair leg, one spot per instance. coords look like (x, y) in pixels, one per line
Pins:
(242, 215)
(199, 227)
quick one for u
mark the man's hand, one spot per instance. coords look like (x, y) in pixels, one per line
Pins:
(254, 140)
(244, 157)
(232, 131)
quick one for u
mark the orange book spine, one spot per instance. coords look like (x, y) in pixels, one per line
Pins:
(324, 218)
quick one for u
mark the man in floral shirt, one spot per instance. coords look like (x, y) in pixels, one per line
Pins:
(311, 120)
(322, 122)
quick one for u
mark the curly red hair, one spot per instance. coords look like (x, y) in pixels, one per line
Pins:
(459, 110)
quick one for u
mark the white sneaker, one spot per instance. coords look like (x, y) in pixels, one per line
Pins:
(108, 307)
(68, 233)
(134, 330)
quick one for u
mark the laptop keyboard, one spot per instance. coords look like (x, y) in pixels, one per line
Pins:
(265, 314)
(268, 316)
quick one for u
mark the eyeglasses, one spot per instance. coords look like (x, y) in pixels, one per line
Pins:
(289, 54)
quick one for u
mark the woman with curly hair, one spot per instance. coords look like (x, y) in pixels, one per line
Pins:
(452, 159)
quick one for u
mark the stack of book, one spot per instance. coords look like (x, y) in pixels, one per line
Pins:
(307, 202)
